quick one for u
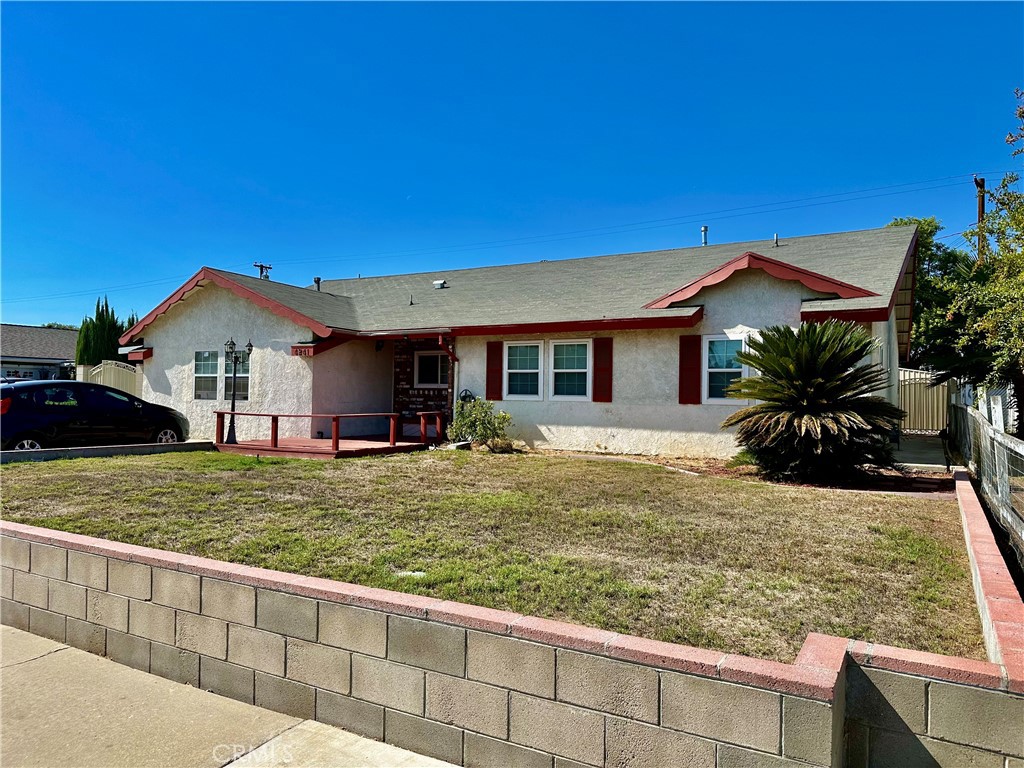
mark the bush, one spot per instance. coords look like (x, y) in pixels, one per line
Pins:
(816, 418)
(476, 421)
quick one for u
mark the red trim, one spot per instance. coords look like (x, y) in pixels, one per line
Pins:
(447, 348)
(689, 370)
(208, 275)
(495, 370)
(775, 268)
(876, 314)
(615, 324)
(141, 354)
(603, 370)
(308, 350)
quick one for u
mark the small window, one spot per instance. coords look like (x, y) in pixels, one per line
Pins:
(721, 368)
(431, 370)
(522, 371)
(242, 376)
(53, 398)
(206, 376)
(570, 370)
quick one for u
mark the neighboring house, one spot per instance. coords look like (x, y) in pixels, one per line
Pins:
(31, 352)
(628, 353)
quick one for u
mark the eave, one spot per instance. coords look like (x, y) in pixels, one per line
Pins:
(206, 276)
(778, 269)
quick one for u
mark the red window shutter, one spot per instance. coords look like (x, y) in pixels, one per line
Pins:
(602, 370)
(689, 370)
(495, 365)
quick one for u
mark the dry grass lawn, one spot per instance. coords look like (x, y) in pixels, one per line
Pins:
(728, 564)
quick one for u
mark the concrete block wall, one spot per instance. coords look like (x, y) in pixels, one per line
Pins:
(480, 687)
(471, 686)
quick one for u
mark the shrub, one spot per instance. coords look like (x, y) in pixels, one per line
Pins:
(476, 420)
(816, 418)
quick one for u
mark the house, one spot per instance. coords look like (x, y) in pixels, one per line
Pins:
(33, 352)
(628, 353)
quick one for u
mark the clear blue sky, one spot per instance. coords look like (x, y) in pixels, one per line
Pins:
(142, 141)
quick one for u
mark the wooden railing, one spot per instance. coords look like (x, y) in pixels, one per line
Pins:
(394, 420)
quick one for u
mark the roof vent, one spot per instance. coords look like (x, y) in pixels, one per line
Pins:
(704, 235)
(316, 281)
(440, 283)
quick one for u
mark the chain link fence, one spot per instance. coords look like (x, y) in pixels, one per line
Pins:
(997, 460)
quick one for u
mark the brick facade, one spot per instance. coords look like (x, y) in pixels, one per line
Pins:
(408, 399)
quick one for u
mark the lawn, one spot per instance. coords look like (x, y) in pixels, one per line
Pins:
(727, 564)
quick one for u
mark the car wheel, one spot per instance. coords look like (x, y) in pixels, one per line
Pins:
(26, 444)
(167, 435)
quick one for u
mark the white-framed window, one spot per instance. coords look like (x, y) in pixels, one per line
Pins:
(431, 370)
(523, 377)
(720, 368)
(570, 364)
(205, 372)
(242, 376)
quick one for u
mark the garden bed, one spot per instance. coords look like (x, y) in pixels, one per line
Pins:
(716, 562)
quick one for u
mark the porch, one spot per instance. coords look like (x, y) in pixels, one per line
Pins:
(336, 446)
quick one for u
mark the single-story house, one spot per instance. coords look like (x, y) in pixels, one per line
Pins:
(629, 353)
(32, 352)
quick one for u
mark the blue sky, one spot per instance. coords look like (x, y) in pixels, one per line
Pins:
(143, 141)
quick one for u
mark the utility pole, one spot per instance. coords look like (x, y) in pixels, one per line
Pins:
(265, 268)
(980, 184)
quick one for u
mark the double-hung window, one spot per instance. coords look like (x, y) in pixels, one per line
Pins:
(242, 376)
(721, 368)
(431, 370)
(523, 371)
(205, 376)
(570, 370)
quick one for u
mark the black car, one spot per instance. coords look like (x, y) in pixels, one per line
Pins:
(53, 414)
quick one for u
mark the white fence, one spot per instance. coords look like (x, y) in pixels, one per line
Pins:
(997, 460)
(114, 374)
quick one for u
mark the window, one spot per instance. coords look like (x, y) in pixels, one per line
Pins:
(242, 376)
(206, 376)
(522, 371)
(721, 368)
(570, 370)
(431, 370)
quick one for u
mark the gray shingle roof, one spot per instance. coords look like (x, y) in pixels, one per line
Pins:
(584, 289)
(30, 342)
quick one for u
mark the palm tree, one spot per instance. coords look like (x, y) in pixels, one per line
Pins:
(815, 417)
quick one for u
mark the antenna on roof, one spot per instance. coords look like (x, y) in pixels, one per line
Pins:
(704, 235)
(264, 270)
(316, 280)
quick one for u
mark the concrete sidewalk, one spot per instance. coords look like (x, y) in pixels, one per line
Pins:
(60, 706)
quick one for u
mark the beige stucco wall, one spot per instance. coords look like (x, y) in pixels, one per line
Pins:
(353, 378)
(644, 416)
(279, 383)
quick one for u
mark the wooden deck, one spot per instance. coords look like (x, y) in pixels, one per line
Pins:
(313, 448)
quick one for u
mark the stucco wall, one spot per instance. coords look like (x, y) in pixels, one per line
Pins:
(644, 416)
(353, 378)
(278, 383)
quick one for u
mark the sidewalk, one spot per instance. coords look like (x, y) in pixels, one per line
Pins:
(60, 706)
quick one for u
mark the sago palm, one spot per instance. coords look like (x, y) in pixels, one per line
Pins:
(816, 416)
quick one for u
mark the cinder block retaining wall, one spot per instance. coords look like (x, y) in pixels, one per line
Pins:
(480, 687)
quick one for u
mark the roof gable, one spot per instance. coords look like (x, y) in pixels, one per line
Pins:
(777, 269)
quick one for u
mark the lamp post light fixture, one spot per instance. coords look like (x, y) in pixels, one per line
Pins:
(232, 354)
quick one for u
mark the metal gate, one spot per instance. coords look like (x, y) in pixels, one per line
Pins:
(925, 406)
(115, 374)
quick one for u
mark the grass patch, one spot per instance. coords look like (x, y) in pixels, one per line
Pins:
(721, 563)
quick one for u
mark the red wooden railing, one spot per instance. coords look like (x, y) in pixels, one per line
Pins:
(393, 419)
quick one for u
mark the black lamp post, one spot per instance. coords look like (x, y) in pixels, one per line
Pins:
(231, 353)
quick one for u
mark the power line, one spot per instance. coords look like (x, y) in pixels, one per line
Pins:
(672, 221)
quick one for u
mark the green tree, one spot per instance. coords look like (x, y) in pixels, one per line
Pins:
(99, 334)
(932, 339)
(62, 326)
(816, 417)
(986, 316)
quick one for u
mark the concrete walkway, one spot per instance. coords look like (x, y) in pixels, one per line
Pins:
(60, 706)
(922, 452)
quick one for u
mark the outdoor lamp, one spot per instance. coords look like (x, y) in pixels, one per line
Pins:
(230, 349)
